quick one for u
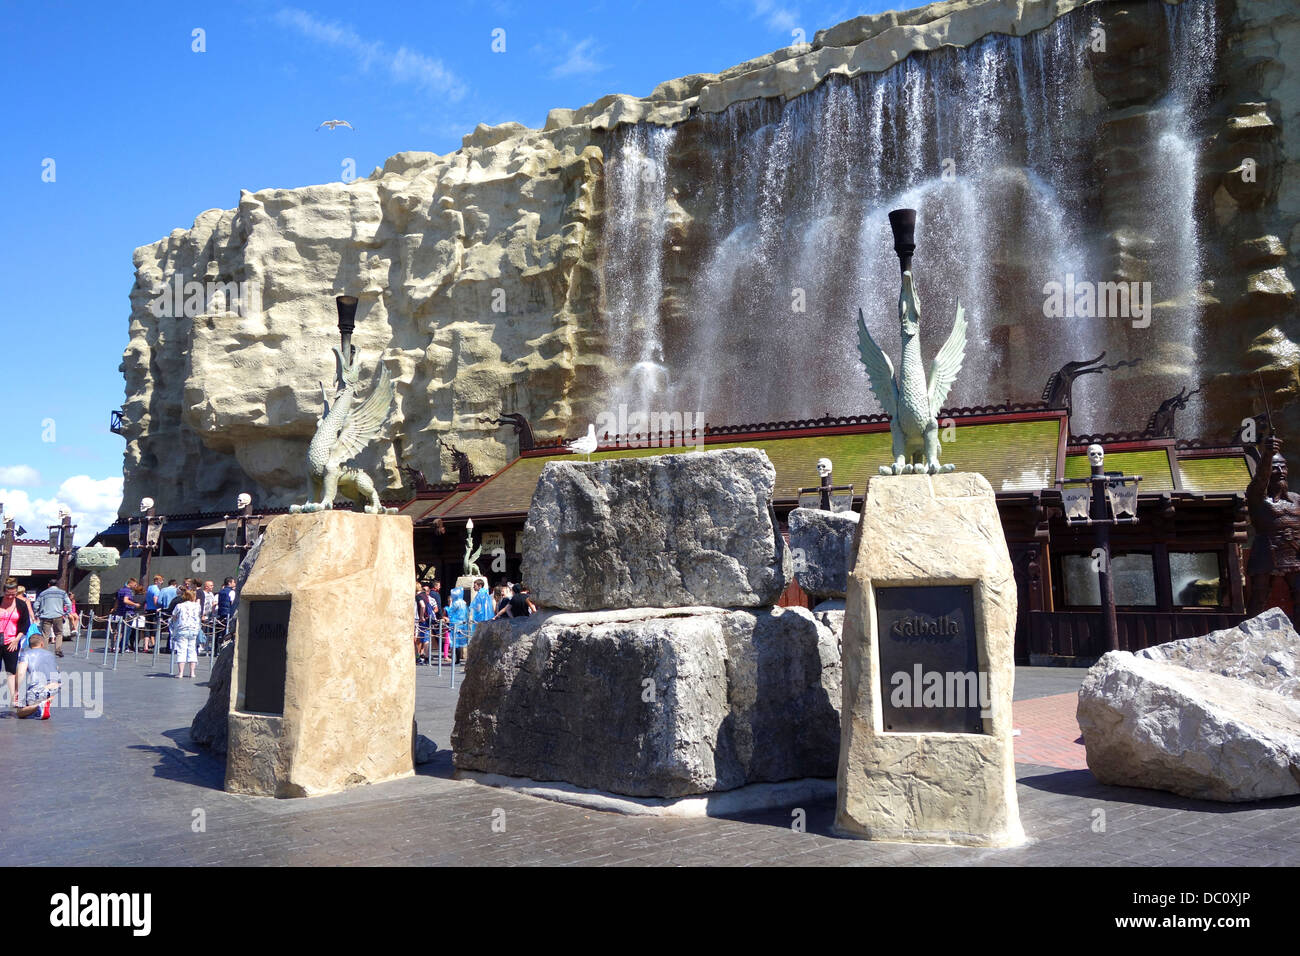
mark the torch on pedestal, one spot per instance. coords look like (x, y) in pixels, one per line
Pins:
(903, 223)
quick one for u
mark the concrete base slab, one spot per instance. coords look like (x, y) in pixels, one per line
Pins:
(755, 796)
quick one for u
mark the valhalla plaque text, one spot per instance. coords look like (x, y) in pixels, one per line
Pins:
(267, 646)
(930, 678)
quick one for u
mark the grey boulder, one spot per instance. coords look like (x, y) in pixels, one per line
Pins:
(1214, 717)
(652, 703)
(663, 531)
(821, 546)
(210, 724)
(209, 727)
(1263, 651)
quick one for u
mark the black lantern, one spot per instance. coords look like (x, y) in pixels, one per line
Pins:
(903, 222)
(347, 306)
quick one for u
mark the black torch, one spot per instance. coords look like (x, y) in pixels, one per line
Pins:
(347, 306)
(903, 222)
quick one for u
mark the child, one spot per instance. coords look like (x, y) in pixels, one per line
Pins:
(37, 679)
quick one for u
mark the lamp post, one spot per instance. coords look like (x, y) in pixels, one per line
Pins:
(6, 548)
(1102, 501)
(144, 532)
(237, 537)
(61, 544)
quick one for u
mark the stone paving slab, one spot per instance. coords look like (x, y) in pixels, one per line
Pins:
(1049, 732)
(128, 788)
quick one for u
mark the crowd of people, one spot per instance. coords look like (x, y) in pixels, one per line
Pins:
(452, 625)
(191, 610)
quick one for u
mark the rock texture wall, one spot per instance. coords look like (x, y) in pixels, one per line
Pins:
(222, 399)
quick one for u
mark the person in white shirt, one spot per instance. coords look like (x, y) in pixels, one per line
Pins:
(186, 622)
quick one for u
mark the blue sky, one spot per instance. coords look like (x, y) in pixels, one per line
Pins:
(145, 133)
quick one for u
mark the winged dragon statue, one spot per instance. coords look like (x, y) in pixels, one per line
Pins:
(911, 404)
(345, 428)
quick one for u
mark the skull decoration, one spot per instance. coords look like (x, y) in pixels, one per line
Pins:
(145, 504)
(1096, 454)
(824, 467)
(243, 501)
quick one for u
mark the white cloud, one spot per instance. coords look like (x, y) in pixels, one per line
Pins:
(92, 501)
(20, 476)
(581, 59)
(777, 17)
(402, 65)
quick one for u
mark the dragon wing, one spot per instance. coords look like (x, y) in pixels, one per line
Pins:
(366, 421)
(947, 363)
(879, 369)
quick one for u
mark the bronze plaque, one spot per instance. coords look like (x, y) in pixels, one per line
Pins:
(266, 655)
(929, 660)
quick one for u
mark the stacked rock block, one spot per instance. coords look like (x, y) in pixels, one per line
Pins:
(659, 666)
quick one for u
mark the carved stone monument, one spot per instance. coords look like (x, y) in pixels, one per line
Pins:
(929, 627)
(320, 699)
(929, 631)
(322, 695)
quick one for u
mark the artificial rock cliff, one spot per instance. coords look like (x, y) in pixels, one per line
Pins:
(651, 251)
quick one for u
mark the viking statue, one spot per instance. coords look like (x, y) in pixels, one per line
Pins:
(1275, 515)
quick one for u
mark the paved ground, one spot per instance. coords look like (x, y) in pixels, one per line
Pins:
(128, 788)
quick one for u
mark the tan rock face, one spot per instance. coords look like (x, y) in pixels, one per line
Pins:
(929, 787)
(489, 278)
(349, 692)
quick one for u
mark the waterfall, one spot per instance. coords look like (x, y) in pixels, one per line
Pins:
(632, 260)
(993, 144)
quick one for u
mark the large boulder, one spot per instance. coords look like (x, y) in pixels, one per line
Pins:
(663, 531)
(211, 724)
(1264, 651)
(821, 543)
(652, 703)
(1160, 725)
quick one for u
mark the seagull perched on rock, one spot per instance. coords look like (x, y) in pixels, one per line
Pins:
(335, 124)
(585, 445)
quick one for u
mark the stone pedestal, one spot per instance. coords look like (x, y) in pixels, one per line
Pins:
(929, 629)
(652, 702)
(322, 692)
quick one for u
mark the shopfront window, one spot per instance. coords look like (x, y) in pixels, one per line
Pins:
(1195, 576)
(1132, 579)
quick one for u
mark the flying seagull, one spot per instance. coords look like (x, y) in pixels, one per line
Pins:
(585, 445)
(335, 124)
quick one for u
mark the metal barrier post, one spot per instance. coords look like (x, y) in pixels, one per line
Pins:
(212, 645)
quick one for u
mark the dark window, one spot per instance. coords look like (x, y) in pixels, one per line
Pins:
(1132, 578)
(1197, 578)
